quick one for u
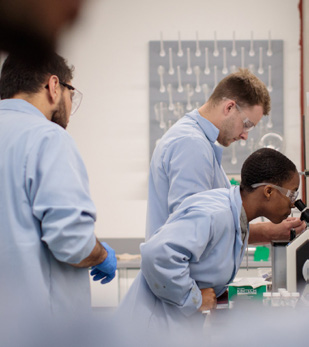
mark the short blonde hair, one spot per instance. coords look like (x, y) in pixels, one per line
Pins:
(244, 88)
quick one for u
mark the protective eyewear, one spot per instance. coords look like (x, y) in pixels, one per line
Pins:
(76, 96)
(291, 194)
(247, 124)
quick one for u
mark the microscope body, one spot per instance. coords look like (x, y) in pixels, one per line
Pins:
(297, 259)
(297, 263)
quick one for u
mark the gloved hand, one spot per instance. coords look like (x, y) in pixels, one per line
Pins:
(107, 269)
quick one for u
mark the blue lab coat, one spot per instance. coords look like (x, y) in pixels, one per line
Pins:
(186, 161)
(199, 246)
(47, 215)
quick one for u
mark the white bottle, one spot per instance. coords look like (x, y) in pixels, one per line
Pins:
(294, 299)
(275, 299)
(267, 299)
(286, 299)
(281, 290)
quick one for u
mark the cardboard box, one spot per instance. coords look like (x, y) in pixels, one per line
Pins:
(247, 288)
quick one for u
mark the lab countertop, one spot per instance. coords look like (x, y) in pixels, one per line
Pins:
(136, 263)
(129, 264)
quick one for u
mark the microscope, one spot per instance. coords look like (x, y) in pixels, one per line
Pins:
(297, 258)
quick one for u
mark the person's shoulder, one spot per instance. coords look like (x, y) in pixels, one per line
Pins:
(42, 130)
(217, 194)
(183, 132)
(184, 127)
(48, 127)
(213, 199)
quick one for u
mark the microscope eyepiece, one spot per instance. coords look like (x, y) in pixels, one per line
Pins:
(300, 205)
(303, 209)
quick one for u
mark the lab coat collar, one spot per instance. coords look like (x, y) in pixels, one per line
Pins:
(210, 131)
(20, 105)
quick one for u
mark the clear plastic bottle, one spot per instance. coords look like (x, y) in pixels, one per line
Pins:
(275, 299)
(294, 299)
(267, 299)
(286, 298)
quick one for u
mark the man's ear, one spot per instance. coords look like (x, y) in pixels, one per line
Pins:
(53, 87)
(228, 105)
(268, 191)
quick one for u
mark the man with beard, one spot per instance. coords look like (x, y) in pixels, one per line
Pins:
(47, 238)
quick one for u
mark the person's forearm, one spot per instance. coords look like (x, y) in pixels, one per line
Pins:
(97, 256)
(266, 232)
(259, 233)
(209, 299)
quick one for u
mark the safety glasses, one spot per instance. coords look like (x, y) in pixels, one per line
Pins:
(76, 96)
(247, 124)
(291, 194)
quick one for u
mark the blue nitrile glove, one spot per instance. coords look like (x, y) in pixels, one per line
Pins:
(107, 269)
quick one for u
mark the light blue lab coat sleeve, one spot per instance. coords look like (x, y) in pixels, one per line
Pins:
(57, 188)
(189, 166)
(166, 259)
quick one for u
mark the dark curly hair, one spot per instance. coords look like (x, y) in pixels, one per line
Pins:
(266, 165)
(21, 75)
